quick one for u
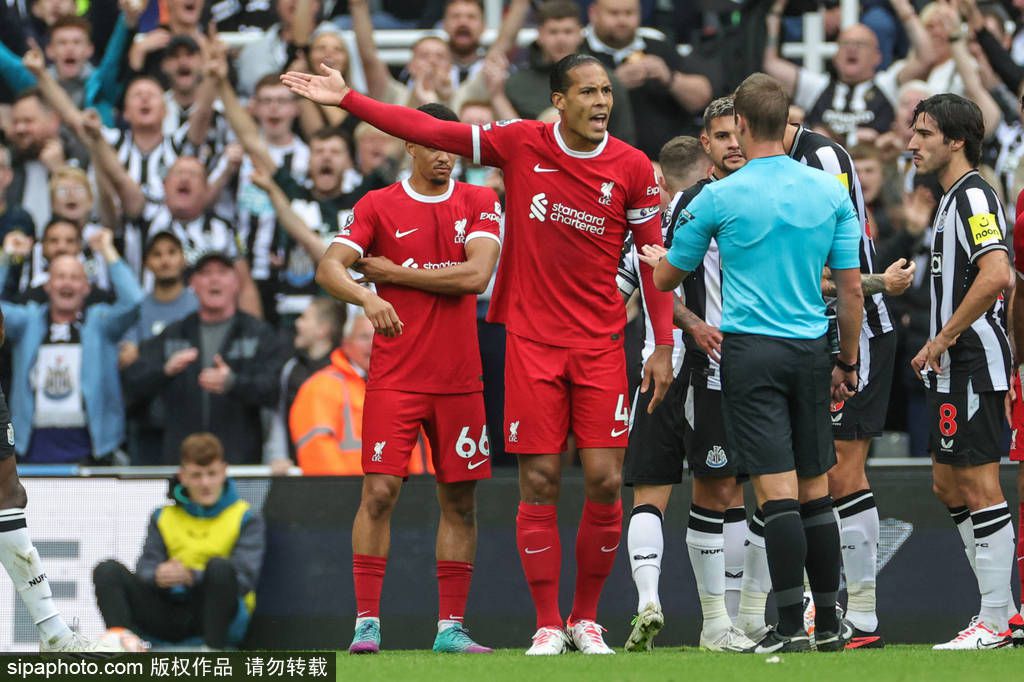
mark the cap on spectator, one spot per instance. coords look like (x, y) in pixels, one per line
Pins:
(208, 256)
(155, 237)
(181, 40)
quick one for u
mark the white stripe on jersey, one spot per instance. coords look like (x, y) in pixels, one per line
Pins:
(713, 305)
(476, 144)
(146, 169)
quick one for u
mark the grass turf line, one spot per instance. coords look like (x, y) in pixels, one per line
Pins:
(914, 663)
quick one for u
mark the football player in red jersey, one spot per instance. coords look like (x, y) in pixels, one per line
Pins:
(1017, 411)
(434, 243)
(572, 192)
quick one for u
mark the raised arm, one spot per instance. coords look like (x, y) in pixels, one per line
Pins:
(513, 20)
(201, 116)
(920, 41)
(288, 218)
(52, 92)
(303, 23)
(973, 89)
(404, 123)
(241, 122)
(108, 166)
(378, 78)
(782, 70)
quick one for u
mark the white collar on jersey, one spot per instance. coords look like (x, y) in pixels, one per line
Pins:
(429, 199)
(575, 154)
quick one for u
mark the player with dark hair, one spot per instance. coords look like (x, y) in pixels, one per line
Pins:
(966, 361)
(572, 193)
(434, 243)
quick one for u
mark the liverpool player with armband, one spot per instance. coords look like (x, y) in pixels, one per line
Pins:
(572, 192)
(430, 245)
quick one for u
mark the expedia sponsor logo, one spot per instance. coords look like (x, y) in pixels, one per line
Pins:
(653, 190)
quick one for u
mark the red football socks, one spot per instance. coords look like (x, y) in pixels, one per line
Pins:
(368, 576)
(540, 551)
(453, 579)
(596, 544)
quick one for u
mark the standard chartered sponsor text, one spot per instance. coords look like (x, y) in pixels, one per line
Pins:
(577, 218)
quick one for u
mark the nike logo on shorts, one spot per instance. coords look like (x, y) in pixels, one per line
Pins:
(474, 465)
(536, 551)
(618, 432)
(609, 549)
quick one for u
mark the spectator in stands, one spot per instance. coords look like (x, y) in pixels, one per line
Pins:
(326, 47)
(464, 23)
(182, 68)
(65, 397)
(892, 145)
(270, 53)
(61, 237)
(12, 216)
(374, 148)
(868, 164)
(20, 28)
(146, 54)
(318, 331)
(326, 416)
(69, 50)
(559, 34)
(217, 367)
(859, 102)
(667, 101)
(169, 302)
(39, 148)
(200, 562)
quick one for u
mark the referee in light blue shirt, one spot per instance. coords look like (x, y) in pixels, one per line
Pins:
(778, 223)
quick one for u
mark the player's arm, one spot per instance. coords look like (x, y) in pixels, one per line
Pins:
(844, 261)
(469, 277)
(332, 275)
(896, 279)
(703, 334)
(994, 276)
(402, 122)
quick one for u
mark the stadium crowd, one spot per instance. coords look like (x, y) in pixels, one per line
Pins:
(140, 121)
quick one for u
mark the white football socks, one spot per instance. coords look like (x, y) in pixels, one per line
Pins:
(858, 532)
(735, 532)
(994, 557)
(646, 544)
(21, 560)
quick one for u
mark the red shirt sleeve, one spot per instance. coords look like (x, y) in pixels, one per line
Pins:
(644, 219)
(1018, 235)
(495, 143)
(411, 125)
(359, 228)
(487, 223)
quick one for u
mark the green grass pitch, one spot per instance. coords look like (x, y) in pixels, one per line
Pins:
(916, 663)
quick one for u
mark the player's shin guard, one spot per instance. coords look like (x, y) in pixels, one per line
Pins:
(734, 532)
(596, 543)
(993, 538)
(21, 560)
(858, 532)
(962, 520)
(705, 543)
(646, 543)
(368, 578)
(540, 551)
(823, 560)
(757, 582)
(786, 546)
(453, 580)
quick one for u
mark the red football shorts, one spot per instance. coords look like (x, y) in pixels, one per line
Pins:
(1016, 420)
(549, 389)
(456, 429)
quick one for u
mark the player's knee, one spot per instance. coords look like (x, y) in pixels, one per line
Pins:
(109, 572)
(541, 486)
(606, 488)
(378, 500)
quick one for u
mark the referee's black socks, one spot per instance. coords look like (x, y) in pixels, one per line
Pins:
(824, 558)
(786, 547)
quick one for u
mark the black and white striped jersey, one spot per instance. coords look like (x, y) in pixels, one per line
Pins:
(817, 151)
(201, 235)
(176, 126)
(35, 272)
(968, 224)
(256, 218)
(147, 169)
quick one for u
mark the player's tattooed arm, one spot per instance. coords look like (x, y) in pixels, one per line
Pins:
(707, 337)
(896, 279)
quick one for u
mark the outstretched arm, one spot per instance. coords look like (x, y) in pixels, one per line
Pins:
(404, 123)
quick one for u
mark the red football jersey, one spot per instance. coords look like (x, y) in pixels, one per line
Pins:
(567, 216)
(1018, 235)
(437, 352)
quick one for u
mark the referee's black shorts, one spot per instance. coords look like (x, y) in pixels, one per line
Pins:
(775, 399)
(863, 415)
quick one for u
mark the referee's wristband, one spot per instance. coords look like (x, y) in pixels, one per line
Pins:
(845, 367)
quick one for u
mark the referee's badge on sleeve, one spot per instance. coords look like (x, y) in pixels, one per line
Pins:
(984, 228)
